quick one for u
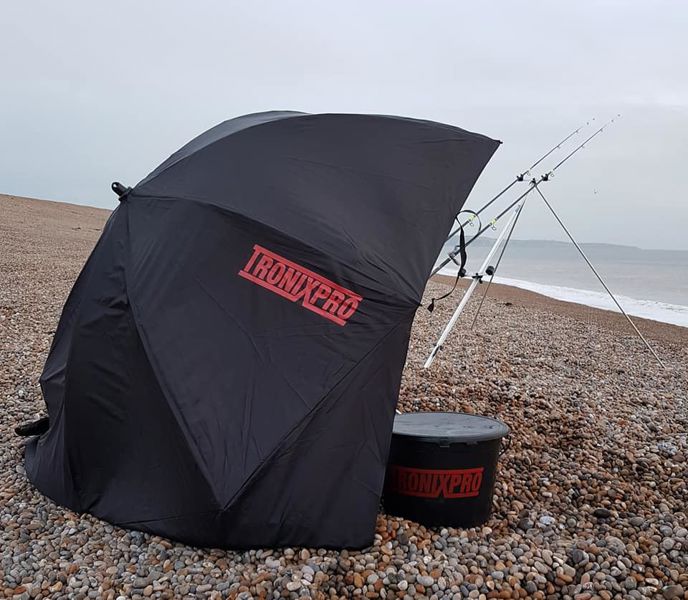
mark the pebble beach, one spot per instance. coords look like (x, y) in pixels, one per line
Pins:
(591, 500)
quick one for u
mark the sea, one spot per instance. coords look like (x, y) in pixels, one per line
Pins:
(652, 284)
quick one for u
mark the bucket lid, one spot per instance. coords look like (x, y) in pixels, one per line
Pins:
(451, 427)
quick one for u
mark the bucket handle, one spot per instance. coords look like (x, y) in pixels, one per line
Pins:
(505, 445)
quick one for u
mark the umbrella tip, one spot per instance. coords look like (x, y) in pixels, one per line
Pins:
(120, 189)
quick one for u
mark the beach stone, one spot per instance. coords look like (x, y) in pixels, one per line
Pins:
(673, 591)
(615, 544)
(586, 409)
(541, 567)
(667, 544)
(579, 557)
(630, 583)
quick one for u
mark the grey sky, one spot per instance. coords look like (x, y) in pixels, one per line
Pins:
(91, 92)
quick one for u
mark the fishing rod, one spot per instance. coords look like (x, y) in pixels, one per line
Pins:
(485, 269)
(533, 184)
(520, 177)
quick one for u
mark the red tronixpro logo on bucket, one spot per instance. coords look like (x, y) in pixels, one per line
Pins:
(295, 283)
(435, 483)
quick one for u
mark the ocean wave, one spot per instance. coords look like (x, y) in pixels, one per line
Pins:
(675, 314)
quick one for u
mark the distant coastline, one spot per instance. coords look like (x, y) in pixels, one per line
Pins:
(641, 276)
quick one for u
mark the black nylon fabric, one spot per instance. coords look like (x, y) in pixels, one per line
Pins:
(226, 368)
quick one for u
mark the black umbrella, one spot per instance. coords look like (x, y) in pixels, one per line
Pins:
(226, 368)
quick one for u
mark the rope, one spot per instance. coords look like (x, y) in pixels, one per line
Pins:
(461, 272)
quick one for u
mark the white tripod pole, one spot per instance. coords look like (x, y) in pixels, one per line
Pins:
(599, 277)
(471, 288)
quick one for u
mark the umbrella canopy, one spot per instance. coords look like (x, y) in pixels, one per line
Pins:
(226, 367)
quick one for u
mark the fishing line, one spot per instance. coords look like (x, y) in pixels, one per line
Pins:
(461, 248)
(519, 178)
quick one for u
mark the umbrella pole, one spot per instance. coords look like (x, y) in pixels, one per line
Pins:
(599, 277)
(469, 292)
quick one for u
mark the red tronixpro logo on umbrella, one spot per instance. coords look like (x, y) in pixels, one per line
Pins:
(298, 284)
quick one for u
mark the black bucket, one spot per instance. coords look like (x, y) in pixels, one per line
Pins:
(442, 468)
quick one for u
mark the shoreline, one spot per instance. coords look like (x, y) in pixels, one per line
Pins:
(667, 332)
(654, 328)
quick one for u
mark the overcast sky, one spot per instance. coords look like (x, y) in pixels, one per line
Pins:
(92, 92)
